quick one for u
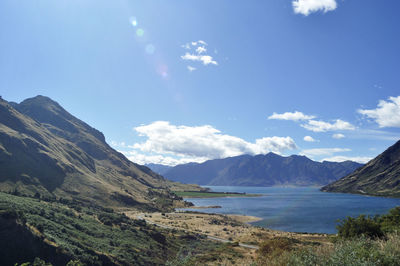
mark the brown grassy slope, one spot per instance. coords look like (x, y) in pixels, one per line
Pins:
(380, 176)
(45, 149)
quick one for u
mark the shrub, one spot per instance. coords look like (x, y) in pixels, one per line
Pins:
(391, 221)
(274, 251)
(360, 226)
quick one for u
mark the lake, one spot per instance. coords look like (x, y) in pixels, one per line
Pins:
(296, 209)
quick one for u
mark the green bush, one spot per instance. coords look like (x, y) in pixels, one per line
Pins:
(360, 226)
(391, 221)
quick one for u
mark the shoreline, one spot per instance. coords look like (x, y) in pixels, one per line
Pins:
(212, 194)
(227, 227)
(248, 219)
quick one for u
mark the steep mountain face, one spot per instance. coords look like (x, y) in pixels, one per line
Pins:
(261, 170)
(46, 150)
(380, 176)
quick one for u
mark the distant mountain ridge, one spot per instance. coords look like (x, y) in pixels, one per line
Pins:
(260, 170)
(158, 168)
(379, 177)
(47, 151)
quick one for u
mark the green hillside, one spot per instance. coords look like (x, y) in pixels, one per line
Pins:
(60, 231)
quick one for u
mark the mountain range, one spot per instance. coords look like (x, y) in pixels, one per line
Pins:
(379, 177)
(47, 152)
(260, 170)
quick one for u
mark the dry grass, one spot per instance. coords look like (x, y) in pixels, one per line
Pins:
(230, 227)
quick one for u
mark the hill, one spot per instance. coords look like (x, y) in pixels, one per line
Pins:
(46, 151)
(63, 231)
(379, 177)
(261, 170)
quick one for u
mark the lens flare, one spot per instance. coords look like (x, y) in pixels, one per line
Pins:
(133, 21)
(139, 32)
(163, 71)
(150, 49)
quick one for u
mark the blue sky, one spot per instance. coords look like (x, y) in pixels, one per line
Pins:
(178, 81)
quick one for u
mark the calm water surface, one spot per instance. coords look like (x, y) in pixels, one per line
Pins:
(304, 209)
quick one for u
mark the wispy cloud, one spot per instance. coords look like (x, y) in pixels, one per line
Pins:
(338, 136)
(387, 113)
(373, 134)
(307, 7)
(309, 139)
(359, 159)
(294, 116)
(191, 69)
(323, 151)
(322, 126)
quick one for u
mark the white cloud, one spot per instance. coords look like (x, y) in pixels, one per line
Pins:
(203, 142)
(309, 139)
(338, 136)
(201, 49)
(307, 7)
(142, 158)
(198, 54)
(294, 116)
(358, 159)
(191, 69)
(321, 126)
(205, 59)
(323, 151)
(387, 113)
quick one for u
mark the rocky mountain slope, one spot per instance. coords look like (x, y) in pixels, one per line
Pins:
(261, 170)
(380, 176)
(44, 150)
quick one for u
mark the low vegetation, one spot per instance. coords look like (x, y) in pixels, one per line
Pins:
(59, 231)
(360, 241)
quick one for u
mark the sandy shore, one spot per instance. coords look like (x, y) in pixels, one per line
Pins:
(244, 218)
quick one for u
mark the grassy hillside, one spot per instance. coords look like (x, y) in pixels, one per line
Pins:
(379, 177)
(45, 150)
(59, 231)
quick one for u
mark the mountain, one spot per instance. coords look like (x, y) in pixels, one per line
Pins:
(46, 151)
(380, 176)
(158, 168)
(261, 170)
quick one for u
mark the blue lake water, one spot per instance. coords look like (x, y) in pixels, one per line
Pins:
(296, 209)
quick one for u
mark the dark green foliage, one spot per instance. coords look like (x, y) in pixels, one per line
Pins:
(360, 226)
(375, 227)
(36, 262)
(391, 221)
